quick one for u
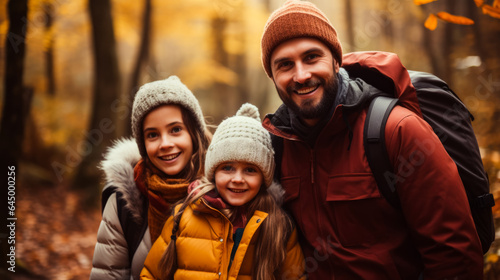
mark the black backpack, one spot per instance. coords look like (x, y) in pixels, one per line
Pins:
(451, 121)
(133, 231)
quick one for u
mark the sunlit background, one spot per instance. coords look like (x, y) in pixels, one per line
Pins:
(214, 47)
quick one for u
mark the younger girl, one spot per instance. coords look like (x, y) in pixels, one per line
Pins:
(230, 226)
(144, 178)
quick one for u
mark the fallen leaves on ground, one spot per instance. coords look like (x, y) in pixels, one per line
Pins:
(56, 235)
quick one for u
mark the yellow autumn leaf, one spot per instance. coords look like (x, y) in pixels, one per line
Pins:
(455, 19)
(422, 2)
(492, 258)
(491, 11)
(431, 22)
(479, 3)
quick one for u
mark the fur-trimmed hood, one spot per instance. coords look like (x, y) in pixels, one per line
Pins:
(118, 166)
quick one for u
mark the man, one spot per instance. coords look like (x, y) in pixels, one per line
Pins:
(348, 230)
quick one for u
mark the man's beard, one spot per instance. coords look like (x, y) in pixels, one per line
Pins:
(307, 110)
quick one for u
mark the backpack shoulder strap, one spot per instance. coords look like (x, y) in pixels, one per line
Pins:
(375, 150)
(106, 193)
(133, 231)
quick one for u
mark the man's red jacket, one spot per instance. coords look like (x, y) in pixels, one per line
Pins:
(348, 230)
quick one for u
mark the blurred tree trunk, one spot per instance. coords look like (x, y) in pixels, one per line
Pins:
(349, 25)
(486, 32)
(141, 59)
(49, 48)
(387, 25)
(429, 49)
(447, 46)
(436, 43)
(267, 3)
(439, 42)
(242, 90)
(472, 13)
(14, 112)
(240, 62)
(103, 123)
(225, 95)
(260, 80)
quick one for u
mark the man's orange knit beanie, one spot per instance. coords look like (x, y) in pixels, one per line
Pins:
(293, 20)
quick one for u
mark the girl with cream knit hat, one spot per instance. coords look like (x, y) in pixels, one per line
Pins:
(231, 225)
(145, 177)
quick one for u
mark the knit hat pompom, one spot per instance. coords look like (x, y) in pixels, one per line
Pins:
(296, 19)
(241, 138)
(170, 91)
(249, 110)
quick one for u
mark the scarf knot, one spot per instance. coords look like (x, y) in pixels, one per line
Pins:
(161, 192)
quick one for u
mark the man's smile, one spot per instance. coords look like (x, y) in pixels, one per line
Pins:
(306, 90)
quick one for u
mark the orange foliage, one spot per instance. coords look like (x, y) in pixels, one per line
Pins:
(479, 3)
(422, 2)
(454, 19)
(491, 11)
(431, 22)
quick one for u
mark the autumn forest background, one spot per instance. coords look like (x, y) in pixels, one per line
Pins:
(70, 69)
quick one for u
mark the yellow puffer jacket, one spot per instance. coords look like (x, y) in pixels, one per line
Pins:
(204, 243)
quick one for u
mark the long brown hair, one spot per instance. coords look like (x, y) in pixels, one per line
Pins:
(201, 140)
(271, 243)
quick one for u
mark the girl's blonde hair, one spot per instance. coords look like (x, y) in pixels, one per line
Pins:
(271, 243)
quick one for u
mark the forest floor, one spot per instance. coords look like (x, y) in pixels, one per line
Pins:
(56, 235)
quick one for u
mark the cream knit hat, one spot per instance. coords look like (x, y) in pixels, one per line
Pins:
(163, 92)
(241, 138)
(297, 19)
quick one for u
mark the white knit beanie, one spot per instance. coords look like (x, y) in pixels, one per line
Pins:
(163, 92)
(241, 138)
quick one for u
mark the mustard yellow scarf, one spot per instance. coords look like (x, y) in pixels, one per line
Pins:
(161, 192)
